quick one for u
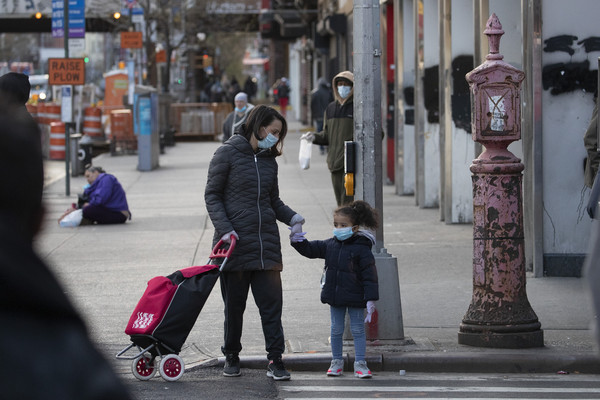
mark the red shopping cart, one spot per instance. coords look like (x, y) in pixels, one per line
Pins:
(167, 312)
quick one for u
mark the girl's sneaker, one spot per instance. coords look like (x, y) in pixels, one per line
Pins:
(336, 368)
(361, 370)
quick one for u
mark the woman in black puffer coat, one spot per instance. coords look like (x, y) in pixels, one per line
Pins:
(242, 199)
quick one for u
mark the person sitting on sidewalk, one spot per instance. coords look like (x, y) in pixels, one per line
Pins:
(349, 281)
(107, 202)
(103, 200)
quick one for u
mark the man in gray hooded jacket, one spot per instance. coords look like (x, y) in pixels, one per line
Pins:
(338, 127)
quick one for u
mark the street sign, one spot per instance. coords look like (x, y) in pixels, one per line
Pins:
(66, 71)
(76, 18)
(66, 110)
(161, 57)
(76, 47)
(131, 40)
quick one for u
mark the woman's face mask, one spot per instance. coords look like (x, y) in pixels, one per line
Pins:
(268, 141)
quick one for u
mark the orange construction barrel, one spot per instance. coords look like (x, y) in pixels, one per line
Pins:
(57, 141)
(92, 122)
(52, 113)
(41, 112)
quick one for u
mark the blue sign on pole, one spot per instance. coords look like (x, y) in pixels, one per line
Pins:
(76, 18)
(58, 18)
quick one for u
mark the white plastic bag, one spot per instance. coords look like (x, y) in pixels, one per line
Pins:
(72, 219)
(305, 153)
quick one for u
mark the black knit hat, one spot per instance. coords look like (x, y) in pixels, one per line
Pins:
(15, 85)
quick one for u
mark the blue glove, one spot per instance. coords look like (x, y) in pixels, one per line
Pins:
(297, 237)
(227, 237)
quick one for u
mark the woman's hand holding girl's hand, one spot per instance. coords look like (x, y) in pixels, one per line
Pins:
(297, 237)
(296, 228)
(296, 234)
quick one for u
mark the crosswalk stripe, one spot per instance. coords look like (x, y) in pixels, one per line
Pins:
(436, 389)
(409, 398)
(419, 376)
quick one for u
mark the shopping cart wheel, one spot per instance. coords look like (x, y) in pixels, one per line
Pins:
(171, 367)
(144, 367)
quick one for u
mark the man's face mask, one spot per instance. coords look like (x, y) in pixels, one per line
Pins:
(344, 91)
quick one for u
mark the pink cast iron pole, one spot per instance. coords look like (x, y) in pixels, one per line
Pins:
(499, 314)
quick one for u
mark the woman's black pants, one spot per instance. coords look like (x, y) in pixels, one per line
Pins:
(267, 292)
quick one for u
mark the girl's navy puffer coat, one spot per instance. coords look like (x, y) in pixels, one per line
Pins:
(350, 271)
(242, 194)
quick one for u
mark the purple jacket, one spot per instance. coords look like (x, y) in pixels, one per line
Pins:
(106, 191)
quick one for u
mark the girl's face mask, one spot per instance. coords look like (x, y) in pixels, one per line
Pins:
(343, 233)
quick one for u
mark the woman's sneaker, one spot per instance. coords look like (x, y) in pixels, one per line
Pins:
(276, 370)
(232, 365)
(336, 368)
(361, 370)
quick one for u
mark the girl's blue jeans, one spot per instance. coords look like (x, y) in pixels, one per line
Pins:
(357, 327)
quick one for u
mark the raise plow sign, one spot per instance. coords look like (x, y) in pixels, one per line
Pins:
(66, 71)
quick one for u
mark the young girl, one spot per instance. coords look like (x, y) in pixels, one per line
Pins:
(350, 278)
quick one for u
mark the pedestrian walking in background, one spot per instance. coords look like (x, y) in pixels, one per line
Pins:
(250, 88)
(51, 355)
(349, 281)
(233, 90)
(338, 127)
(217, 92)
(237, 117)
(242, 200)
(283, 96)
(320, 98)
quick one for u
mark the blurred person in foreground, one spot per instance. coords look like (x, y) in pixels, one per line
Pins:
(14, 94)
(43, 340)
(338, 127)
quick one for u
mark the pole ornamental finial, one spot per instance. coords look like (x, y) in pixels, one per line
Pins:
(494, 31)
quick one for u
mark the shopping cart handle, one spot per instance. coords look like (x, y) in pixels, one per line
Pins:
(218, 252)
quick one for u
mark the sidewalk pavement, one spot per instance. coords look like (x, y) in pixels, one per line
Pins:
(105, 270)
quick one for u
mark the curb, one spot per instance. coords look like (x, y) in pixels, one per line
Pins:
(433, 362)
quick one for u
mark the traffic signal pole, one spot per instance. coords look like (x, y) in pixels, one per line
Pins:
(67, 123)
(368, 135)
